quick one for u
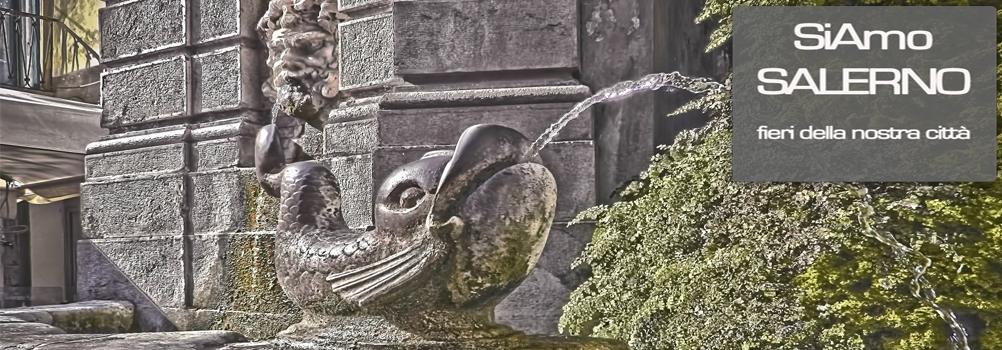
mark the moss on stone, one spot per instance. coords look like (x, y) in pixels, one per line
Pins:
(689, 259)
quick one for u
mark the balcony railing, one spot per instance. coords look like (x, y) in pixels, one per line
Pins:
(37, 48)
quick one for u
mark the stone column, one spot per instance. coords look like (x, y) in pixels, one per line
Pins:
(172, 218)
(415, 74)
(626, 40)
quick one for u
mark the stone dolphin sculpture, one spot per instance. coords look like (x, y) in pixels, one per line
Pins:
(455, 232)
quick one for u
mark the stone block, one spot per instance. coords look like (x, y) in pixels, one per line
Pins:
(312, 141)
(442, 36)
(166, 158)
(94, 316)
(353, 137)
(243, 123)
(348, 5)
(148, 272)
(571, 162)
(485, 96)
(228, 18)
(236, 272)
(563, 246)
(265, 214)
(366, 52)
(227, 79)
(224, 201)
(535, 307)
(573, 166)
(357, 111)
(423, 126)
(130, 341)
(253, 325)
(354, 174)
(133, 207)
(143, 93)
(138, 139)
(12, 331)
(137, 27)
(225, 153)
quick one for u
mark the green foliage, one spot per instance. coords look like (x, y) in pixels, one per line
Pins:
(691, 260)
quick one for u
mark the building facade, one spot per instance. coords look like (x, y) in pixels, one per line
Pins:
(174, 221)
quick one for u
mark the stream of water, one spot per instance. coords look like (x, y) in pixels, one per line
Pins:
(621, 90)
(921, 288)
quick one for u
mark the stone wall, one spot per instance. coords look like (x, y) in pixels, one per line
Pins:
(174, 221)
(172, 218)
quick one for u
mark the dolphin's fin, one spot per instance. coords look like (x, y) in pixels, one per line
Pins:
(372, 282)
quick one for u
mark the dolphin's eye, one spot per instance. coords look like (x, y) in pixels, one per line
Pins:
(410, 197)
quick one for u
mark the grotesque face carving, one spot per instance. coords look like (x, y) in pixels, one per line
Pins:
(302, 45)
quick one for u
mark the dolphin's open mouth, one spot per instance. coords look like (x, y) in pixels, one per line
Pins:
(483, 151)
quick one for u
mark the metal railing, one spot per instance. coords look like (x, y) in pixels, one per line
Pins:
(37, 48)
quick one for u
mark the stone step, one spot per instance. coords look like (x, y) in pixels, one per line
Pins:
(198, 340)
(95, 316)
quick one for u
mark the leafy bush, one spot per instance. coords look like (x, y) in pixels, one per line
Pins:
(691, 260)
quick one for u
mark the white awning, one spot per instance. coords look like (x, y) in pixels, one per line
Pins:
(42, 142)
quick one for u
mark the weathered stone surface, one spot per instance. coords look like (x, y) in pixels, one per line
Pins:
(224, 201)
(96, 316)
(10, 319)
(355, 176)
(143, 93)
(11, 331)
(225, 153)
(536, 306)
(534, 343)
(346, 5)
(236, 272)
(312, 141)
(350, 138)
(571, 162)
(201, 340)
(563, 247)
(366, 53)
(243, 125)
(469, 36)
(485, 97)
(131, 207)
(136, 27)
(227, 79)
(228, 18)
(148, 272)
(253, 325)
(573, 165)
(134, 140)
(443, 126)
(356, 111)
(166, 158)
